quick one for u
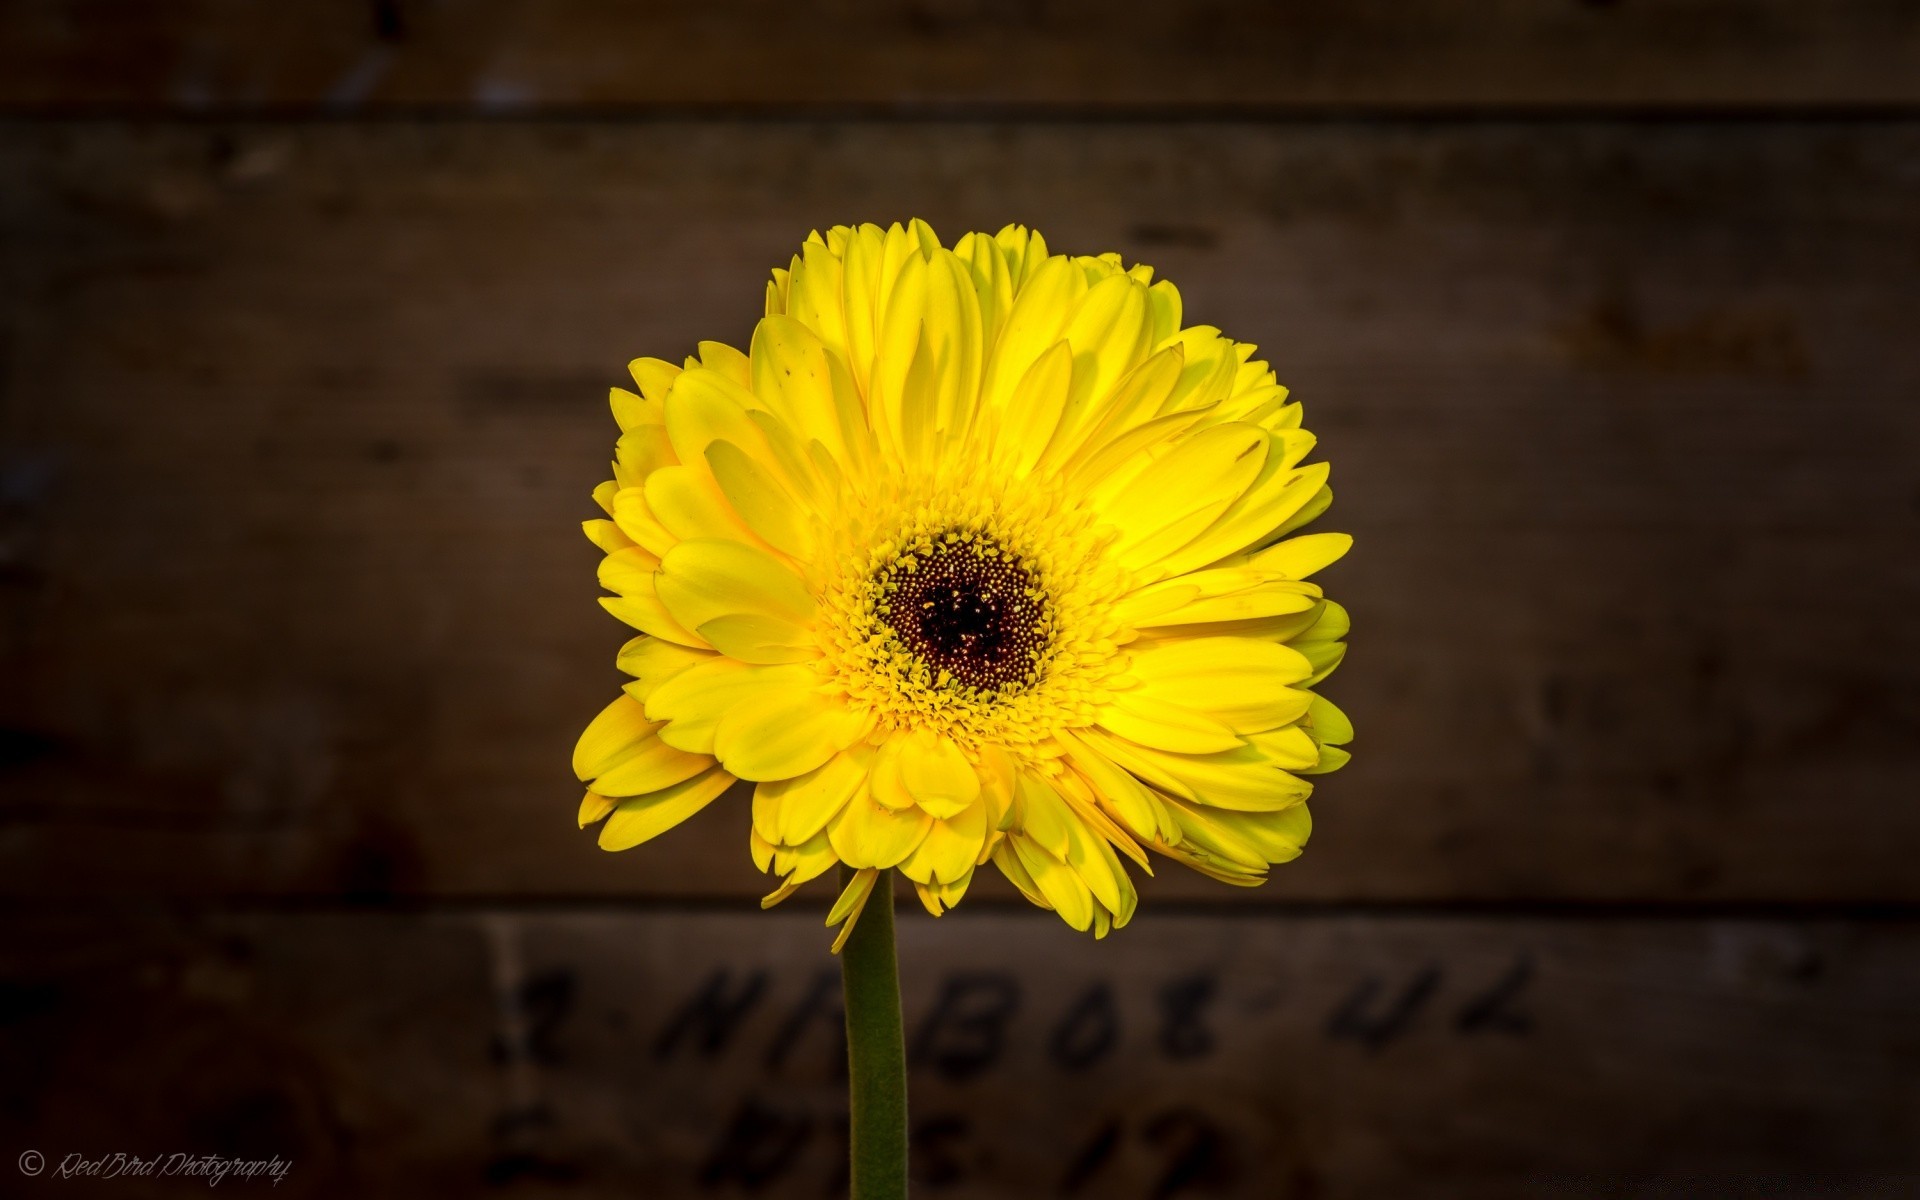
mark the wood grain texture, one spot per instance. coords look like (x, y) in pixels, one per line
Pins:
(938, 55)
(298, 421)
(573, 1054)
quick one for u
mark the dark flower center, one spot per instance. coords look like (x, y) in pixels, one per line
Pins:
(966, 607)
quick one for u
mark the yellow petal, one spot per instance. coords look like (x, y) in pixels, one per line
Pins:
(1211, 846)
(1092, 859)
(1164, 506)
(642, 609)
(628, 572)
(1308, 513)
(939, 897)
(1063, 888)
(803, 804)
(1140, 717)
(953, 334)
(1040, 815)
(1290, 747)
(1327, 723)
(992, 283)
(689, 505)
(606, 535)
(1243, 779)
(1299, 557)
(797, 864)
(593, 807)
(640, 452)
(652, 661)
(761, 499)
(926, 769)
(702, 580)
(706, 406)
(643, 817)
(866, 834)
(1032, 328)
(1248, 840)
(1224, 594)
(654, 376)
(1164, 310)
(1108, 335)
(692, 702)
(629, 410)
(1129, 448)
(951, 848)
(853, 897)
(862, 264)
(1277, 494)
(754, 638)
(650, 766)
(1238, 682)
(611, 736)
(814, 300)
(1032, 415)
(718, 356)
(1332, 758)
(784, 727)
(1008, 860)
(852, 902)
(1136, 806)
(1136, 400)
(635, 519)
(927, 363)
(1324, 656)
(1097, 816)
(997, 772)
(766, 818)
(1134, 758)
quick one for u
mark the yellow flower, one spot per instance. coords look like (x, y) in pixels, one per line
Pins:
(977, 555)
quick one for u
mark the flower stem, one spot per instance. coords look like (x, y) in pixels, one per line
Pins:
(876, 1051)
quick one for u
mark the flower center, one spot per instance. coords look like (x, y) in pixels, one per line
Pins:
(969, 609)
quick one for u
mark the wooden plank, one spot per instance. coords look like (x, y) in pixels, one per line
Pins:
(578, 1053)
(1085, 55)
(299, 421)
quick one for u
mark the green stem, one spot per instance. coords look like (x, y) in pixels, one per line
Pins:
(876, 1050)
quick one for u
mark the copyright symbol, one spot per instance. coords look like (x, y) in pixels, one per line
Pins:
(32, 1162)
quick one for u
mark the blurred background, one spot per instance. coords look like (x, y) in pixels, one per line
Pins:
(1605, 314)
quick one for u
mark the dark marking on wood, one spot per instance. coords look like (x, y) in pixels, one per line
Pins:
(1198, 1154)
(966, 1031)
(1093, 1154)
(821, 1004)
(1184, 1031)
(19, 747)
(1088, 1031)
(389, 21)
(938, 1145)
(712, 1015)
(546, 1001)
(1497, 1010)
(759, 1146)
(1357, 1019)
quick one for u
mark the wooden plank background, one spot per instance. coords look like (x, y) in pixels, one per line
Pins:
(1603, 313)
(1621, 419)
(573, 1054)
(355, 56)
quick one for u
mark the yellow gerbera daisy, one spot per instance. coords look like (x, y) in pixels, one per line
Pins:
(977, 555)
